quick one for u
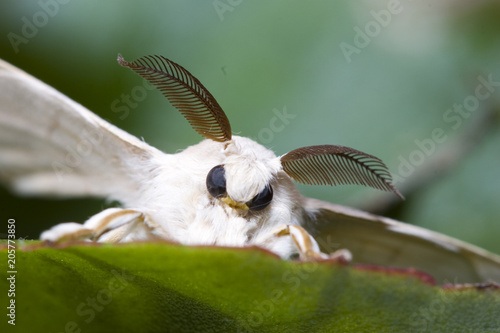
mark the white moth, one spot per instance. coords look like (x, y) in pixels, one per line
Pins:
(227, 190)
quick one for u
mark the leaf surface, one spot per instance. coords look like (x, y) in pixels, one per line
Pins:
(159, 287)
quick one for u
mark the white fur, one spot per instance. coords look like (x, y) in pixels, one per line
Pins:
(176, 200)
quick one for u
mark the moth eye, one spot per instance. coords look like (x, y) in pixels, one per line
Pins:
(216, 181)
(261, 200)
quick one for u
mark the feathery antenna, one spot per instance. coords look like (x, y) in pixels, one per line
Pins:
(186, 93)
(337, 165)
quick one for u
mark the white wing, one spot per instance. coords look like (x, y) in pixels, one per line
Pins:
(382, 241)
(51, 145)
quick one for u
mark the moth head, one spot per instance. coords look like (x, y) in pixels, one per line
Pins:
(217, 187)
(245, 179)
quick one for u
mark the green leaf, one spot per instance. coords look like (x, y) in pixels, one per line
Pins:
(160, 287)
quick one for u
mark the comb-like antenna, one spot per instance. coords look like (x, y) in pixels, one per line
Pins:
(186, 93)
(337, 165)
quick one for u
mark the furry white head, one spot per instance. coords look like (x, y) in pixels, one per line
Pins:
(181, 208)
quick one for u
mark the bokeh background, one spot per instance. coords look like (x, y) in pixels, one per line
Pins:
(378, 76)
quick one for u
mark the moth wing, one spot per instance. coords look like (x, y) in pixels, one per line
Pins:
(51, 145)
(382, 241)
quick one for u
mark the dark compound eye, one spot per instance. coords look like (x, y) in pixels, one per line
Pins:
(261, 200)
(216, 181)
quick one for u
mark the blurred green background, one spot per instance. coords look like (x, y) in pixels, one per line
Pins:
(381, 90)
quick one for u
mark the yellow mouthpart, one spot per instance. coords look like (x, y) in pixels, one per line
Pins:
(234, 204)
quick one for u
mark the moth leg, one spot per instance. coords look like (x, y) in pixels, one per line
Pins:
(110, 225)
(307, 245)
